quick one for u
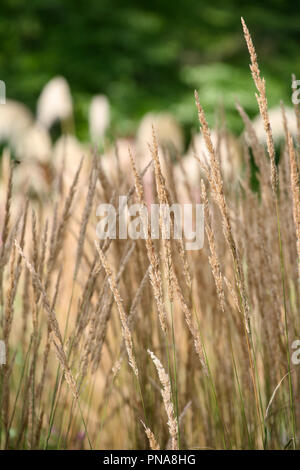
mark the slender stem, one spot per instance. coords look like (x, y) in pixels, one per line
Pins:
(292, 405)
(175, 376)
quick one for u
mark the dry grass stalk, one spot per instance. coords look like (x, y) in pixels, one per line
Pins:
(163, 201)
(5, 232)
(56, 336)
(99, 320)
(192, 326)
(295, 188)
(57, 244)
(258, 151)
(155, 276)
(86, 214)
(48, 340)
(152, 441)
(216, 183)
(213, 259)
(125, 330)
(167, 399)
(43, 250)
(8, 318)
(261, 98)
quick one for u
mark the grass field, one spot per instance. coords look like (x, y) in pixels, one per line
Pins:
(131, 344)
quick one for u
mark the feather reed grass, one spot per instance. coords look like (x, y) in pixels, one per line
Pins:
(222, 319)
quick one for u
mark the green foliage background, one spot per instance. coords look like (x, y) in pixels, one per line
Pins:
(148, 55)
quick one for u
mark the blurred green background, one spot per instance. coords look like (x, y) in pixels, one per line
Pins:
(149, 55)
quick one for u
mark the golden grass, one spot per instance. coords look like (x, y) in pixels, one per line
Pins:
(138, 343)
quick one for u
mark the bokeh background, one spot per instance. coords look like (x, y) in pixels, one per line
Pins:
(148, 56)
